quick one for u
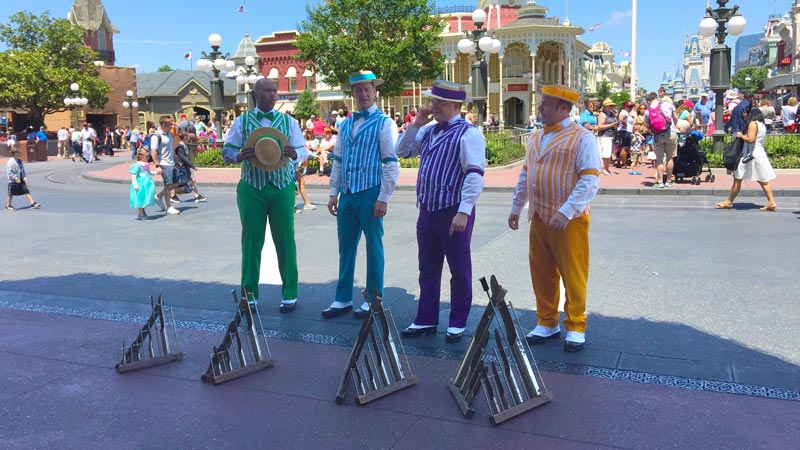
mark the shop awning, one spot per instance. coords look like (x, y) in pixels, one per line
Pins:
(273, 73)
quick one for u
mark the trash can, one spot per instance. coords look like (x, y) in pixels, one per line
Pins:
(41, 151)
(26, 153)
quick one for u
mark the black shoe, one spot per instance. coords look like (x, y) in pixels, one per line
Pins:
(175, 199)
(287, 307)
(453, 337)
(329, 312)
(416, 332)
(572, 347)
(538, 340)
(361, 313)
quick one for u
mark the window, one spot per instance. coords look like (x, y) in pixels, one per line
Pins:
(292, 84)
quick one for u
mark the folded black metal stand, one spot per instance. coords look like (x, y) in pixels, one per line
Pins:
(244, 348)
(375, 364)
(143, 352)
(508, 374)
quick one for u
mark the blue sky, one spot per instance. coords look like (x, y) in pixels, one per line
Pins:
(162, 32)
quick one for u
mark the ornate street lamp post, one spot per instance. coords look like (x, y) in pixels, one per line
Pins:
(76, 102)
(130, 103)
(248, 75)
(215, 61)
(477, 43)
(716, 21)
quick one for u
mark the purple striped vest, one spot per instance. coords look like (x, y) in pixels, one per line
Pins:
(440, 176)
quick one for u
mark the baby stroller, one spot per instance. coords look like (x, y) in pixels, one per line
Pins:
(690, 160)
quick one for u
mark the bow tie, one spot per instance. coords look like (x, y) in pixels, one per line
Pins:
(552, 128)
(439, 127)
(361, 114)
(270, 115)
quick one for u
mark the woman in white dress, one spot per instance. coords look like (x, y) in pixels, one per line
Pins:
(754, 164)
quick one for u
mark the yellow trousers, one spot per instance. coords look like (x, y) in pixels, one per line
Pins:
(554, 255)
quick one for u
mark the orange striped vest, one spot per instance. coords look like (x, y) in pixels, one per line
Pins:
(551, 171)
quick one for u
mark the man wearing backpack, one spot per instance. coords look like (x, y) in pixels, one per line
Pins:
(661, 118)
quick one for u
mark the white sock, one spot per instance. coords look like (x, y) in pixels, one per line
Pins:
(289, 302)
(454, 330)
(365, 306)
(414, 326)
(340, 304)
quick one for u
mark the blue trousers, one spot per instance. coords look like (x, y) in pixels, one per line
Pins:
(354, 217)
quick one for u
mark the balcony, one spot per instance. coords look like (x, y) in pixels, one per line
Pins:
(105, 55)
(445, 10)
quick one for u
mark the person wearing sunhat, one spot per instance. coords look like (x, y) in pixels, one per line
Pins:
(559, 178)
(263, 140)
(607, 124)
(449, 181)
(363, 177)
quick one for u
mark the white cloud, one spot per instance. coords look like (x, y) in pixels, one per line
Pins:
(618, 17)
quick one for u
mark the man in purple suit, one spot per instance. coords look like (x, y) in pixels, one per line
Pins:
(450, 179)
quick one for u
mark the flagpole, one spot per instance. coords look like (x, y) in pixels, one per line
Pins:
(246, 31)
(634, 80)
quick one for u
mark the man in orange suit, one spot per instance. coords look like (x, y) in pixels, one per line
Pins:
(559, 179)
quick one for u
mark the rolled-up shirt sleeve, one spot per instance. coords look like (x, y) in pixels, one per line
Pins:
(234, 142)
(473, 162)
(587, 165)
(391, 170)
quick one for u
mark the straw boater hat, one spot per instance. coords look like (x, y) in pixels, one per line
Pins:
(362, 76)
(608, 102)
(447, 91)
(268, 143)
(561, 92)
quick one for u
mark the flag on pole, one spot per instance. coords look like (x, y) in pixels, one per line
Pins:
(594, 27)
(240, 9)
(188, 56)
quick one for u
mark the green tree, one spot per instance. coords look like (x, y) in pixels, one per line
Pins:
(165, 68)
(306, 105)
(757, 76)
(44, 56)
(393, 38)
(604, 91)
(620, 97)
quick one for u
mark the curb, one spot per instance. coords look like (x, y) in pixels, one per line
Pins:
(712, 192)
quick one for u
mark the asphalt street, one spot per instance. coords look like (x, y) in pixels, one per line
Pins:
(676, 287)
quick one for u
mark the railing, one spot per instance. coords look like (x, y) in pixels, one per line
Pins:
(105, 55)
(444, 10)
(506, 146)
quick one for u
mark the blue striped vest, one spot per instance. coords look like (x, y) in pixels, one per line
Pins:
(251, 174)
(361, 154)
(440, 177)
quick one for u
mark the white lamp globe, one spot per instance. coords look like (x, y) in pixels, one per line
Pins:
(496, 46)
(708, 27)
(74, 87)
(230, 66)
(219, 64)
(240, 79)
(202, 64)
(214, 40)
(84, 100)
(736, 25)
(249, 60)
(252, 79)
(125, 104)
(129, 93)
(485, 43)
(68, 101)
(466, 46)
(135, 104)
(479, 16)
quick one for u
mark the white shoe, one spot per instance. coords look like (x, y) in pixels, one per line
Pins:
(160, 203)
(543, 331)
(309, 207)
(172, 210)
(575, 336)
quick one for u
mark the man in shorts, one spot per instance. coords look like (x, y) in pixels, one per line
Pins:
(163, 152)
(665, 144)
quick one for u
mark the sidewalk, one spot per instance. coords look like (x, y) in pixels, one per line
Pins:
(503, 179)
(60, 390)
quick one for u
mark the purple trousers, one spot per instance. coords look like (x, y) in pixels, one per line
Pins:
(434, 245)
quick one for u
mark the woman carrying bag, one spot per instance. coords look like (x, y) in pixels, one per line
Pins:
(754, 164)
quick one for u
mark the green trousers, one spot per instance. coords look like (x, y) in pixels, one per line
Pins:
(256, 206)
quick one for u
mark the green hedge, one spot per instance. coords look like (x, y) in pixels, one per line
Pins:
(783, 151)
(211, 158)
